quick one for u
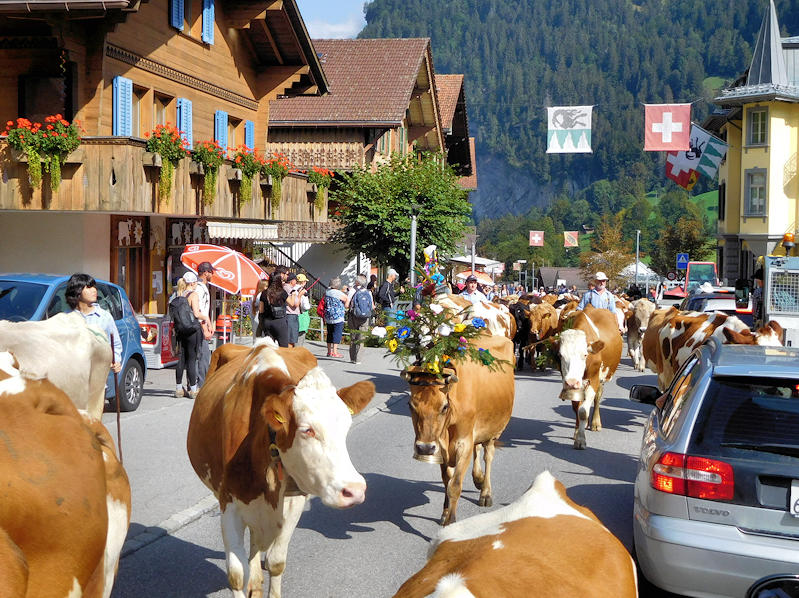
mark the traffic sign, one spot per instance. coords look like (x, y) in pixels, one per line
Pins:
(671, 276)
(682, 261)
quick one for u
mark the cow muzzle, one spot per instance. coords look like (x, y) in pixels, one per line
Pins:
(352, 494)
(427, 452)
(571, 394)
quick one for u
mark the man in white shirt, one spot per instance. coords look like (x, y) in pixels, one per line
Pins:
(204, 273)
(471, 292)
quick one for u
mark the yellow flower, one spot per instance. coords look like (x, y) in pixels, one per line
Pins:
(433, 367)
(390, 329)
(460, 327)
(392, 345)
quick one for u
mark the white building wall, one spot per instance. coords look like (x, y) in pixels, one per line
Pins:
(327, 261)
(55, 243)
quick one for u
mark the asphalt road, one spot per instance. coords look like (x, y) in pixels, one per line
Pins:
(174, 546)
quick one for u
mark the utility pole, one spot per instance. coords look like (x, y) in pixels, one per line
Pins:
(637, 240)
(414, 209)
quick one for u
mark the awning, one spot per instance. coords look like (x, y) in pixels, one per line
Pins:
(467, 261)
(242, 230)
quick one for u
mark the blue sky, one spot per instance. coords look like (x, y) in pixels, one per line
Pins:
(324, 22)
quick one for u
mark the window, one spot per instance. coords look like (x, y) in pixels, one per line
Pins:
(680, 390)
(137, 117)
(758, 126)
(160, 109)
(722, 199)
(755, 181)
(208, 21)
(232, 128)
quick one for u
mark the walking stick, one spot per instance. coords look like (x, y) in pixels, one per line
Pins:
(116, 393)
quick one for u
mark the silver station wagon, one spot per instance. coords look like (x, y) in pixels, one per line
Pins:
(716, 510)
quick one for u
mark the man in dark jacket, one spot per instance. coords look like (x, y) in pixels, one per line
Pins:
(386, 295)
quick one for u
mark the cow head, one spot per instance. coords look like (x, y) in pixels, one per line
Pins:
(430, 413)
(769, 335)
(307, 422)
(574, 350)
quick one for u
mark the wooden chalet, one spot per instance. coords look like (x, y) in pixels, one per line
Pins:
(120, 68)
(459, 146)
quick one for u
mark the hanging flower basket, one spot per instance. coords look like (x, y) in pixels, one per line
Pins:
(168, 142)
(277, 167)
(250, 164)
(46, 145)
(321, 177)
(210, 156)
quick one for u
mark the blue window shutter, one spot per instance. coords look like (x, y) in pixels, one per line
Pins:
(184, 121)
(249, 134)
(220, 129)
(176, 14)
(208, 21)
(123, 107)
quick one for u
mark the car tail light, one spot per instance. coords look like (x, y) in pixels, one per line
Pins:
(149, 333)
(697, 477)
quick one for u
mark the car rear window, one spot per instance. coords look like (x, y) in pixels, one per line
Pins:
(754, 414)
(19, 300)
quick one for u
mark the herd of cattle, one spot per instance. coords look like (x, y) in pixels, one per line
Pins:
(268, 430)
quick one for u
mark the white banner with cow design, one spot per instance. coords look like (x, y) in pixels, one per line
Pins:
(569, 129)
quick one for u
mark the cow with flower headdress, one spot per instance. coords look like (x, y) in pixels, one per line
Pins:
(461, 395)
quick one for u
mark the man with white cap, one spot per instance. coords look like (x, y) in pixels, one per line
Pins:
(599, 296)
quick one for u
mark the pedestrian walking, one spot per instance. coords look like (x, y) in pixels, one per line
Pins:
(386, 294)
(295, 293)
(336, 303)
(272, 310)
(188, 333)
(204, 273)
(255, 310)
(304, 319)
(361, 308)
(600, 297)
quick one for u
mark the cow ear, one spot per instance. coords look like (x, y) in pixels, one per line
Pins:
(596, 346)
(277, 410)
(775, 326)
(357, 396)
(737, 338)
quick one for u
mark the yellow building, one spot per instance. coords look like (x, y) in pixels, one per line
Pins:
(758, 186)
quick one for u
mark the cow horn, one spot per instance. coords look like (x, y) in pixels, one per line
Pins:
(405, 375)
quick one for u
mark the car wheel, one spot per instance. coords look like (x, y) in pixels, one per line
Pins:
(132, 386)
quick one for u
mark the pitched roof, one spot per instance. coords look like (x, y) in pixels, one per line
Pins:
(62, 5)
(449, 88)
(370, 82)
(469, 183)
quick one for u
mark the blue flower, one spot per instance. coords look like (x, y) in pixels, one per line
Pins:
(478, 323)
(403, 332)
(400, 315)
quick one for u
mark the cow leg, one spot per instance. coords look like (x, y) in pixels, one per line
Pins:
(596, 419)
(582, 408)
(455, 486)
(446, 475)
(486, 499)
(276, 554)
(255, 585)
(478, 477)
(235, 555)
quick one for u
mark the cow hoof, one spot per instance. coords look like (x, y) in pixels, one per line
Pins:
(446, 520)
(596, 427)
(486, 501)
(580, 445)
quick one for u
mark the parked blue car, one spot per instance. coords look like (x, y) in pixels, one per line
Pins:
(39, 296)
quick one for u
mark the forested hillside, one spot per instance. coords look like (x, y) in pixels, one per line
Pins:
(520, 56)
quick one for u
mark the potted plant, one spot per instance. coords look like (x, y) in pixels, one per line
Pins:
(167, 141)
(211, 156)
(48, 144)
(321, 177)
(250, 164)
(277, 167)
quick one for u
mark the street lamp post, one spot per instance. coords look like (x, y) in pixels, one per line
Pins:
(414, 209)
(637, 239)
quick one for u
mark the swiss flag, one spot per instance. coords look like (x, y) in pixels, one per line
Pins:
(679, 169)
(536, 238)
(668, 127)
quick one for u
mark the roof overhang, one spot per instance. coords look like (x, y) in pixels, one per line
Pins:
(7, 6)
(364, 124)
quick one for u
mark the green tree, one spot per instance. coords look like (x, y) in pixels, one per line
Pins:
(375, 209)
(610, 252)
(687, 235)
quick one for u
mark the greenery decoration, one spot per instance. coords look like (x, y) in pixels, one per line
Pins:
(321, 177)
(167, 141)
(250, 164)
(47, 145)
(211, 155)
(278, 166)
(429, 338)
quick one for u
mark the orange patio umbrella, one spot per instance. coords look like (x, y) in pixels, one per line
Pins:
(234, 271)
(482, 277)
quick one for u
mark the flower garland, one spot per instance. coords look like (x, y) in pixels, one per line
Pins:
(167, 141)
(321, 177)
(430, 339)
(278, 166)
(211, 155)
(49, 145)
(250, 164)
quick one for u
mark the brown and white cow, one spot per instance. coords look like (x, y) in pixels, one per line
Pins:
(637, 323)
(268, 429)
(526, 549)
(65, 504)
(63, 349)
(589, 348)
(676, 337)
(543, 324)
(457, 415)
(497, 317)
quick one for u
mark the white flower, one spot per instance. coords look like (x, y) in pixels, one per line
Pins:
(443, 330)
(379, 331)
(425, 330)
(425, 339)
(436, 308)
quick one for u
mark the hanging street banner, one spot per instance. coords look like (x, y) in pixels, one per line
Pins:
(536, 238)
(668, 127)
(703, 157)
(569, 130)
(570, 238)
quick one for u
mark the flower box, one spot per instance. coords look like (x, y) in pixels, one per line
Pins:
(310, 187)
(197, 168)
(234, 174)
(151, 159)
(266, 180)
(75, 157)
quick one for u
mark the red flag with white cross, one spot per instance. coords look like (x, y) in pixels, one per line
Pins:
(536, 238)
(668, 127)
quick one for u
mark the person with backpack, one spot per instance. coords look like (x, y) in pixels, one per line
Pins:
(272, 308)
(184, 309)
(361, 308)
(336, 303)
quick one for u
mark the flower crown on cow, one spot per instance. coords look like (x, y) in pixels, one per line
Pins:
(429, 338)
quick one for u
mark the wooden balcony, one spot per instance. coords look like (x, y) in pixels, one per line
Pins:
(118, 175)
